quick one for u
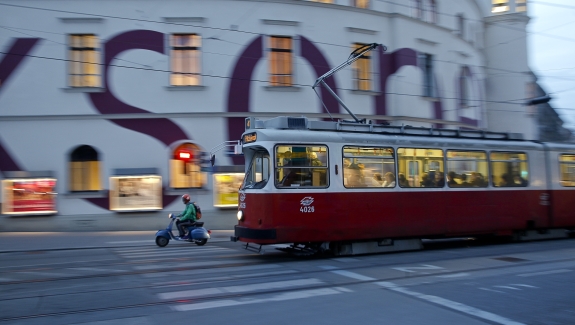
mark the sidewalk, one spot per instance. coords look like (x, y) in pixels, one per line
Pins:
(133, 221)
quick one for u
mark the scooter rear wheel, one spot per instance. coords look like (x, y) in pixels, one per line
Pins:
(162, 241)
(201, 242)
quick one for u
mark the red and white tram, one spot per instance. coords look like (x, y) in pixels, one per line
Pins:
(358, 188)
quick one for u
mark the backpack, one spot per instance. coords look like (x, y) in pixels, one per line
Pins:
(198, 211)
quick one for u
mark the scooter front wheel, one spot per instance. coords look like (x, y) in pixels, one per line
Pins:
(201, 242)
(162, 241)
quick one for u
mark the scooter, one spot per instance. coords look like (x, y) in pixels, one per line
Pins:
(197, 233)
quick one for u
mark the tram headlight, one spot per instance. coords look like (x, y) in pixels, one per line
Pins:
(240, 215)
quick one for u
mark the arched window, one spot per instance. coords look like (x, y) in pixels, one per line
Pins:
(84, 169)
(185, 169)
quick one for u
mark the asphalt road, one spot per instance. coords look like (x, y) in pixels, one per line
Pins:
(123, 278)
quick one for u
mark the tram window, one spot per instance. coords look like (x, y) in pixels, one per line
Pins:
(258, 174)
(422, 167)
(467, 169)
(301, 166)
(368, 167)
(509, 169)
(567, 170)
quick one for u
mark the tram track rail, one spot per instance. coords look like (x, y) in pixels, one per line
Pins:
(259, 293)
(189, 268)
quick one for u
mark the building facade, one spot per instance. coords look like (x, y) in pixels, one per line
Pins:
(112, 106)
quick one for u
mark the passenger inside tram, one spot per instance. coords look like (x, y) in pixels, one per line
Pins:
(403, 182)
(389, 180)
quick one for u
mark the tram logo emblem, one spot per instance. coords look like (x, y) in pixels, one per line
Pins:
(306, 201)
(242, 196)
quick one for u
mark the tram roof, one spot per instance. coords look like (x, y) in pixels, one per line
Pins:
(303, 123)
(346, 127)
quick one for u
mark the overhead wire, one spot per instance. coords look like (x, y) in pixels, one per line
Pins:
(217, 38)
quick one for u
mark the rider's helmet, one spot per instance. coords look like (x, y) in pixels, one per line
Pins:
(186, 198)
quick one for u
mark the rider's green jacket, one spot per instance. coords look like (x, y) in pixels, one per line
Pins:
(189, 213)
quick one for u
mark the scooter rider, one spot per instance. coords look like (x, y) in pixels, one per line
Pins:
(187, 218)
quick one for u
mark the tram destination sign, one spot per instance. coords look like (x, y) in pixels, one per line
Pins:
(250, 137)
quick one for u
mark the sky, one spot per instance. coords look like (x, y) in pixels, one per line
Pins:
(551, 46)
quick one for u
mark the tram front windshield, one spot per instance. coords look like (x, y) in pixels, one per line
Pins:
(259, 171)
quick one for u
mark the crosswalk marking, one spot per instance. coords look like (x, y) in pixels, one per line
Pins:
(281, 297)
(239, 289)
(132, 253)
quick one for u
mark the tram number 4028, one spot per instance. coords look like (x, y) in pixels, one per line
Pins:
(307, 209)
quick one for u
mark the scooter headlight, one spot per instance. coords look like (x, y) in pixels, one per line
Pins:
(170, 215)
(240, 215)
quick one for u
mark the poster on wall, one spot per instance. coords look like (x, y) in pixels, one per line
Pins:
(135, 193)
(226, 189)
(34, 196)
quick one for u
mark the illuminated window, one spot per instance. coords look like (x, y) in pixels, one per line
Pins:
(185, 169)
(422, 167)
(186, 59)
(368, 167)
(467, 169)
(509, 169)
(84, 60)
(301, 166)
(521, 5)
(499, 6)
(280, 61)
(361, 3)
(362, 70)
(567, 170)
(84, 169)
(426, 65)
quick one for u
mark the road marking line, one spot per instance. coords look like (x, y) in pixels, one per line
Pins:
(345, 259)
(353, 275)
(492, 290)
(281, 297)
(94, 269)
(456, 275)
(524, 285)
(413, 269)
(452, 305)
(179, 265)
(131, 241)
(238, 289)
(544, 273)
(506, 287)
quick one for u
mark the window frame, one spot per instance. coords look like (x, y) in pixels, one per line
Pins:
(81, 58)
(276, 168)
(84, 170)
(364, 4)
(191, 62)
(441, 170)
(374, 157)
(364, 62)
(503, 4)
(428, 84)
(486, 161)
(561, 163)
(492, 170)
(283, 66)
